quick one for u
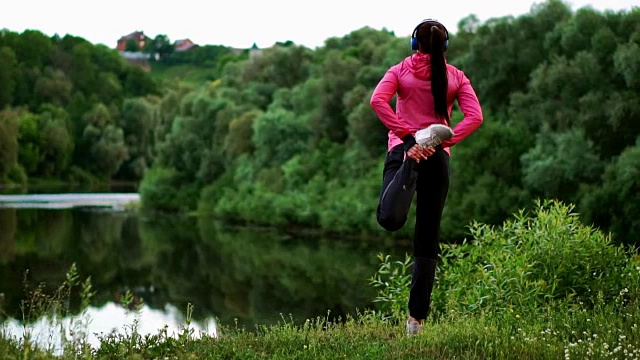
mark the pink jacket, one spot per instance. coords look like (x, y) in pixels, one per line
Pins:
(414, 105)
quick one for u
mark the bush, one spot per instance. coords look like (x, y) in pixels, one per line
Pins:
(163, 190)
(530, 263)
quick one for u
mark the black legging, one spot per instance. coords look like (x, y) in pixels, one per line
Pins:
(430, 179)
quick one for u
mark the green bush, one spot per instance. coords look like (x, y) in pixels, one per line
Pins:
(163, 190)
(529, 264)
(17, 175)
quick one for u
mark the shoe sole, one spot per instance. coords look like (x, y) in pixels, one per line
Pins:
(433, 135)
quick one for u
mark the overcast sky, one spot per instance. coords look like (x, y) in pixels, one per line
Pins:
(240, 23)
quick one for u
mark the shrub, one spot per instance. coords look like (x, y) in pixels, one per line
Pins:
(530, 263)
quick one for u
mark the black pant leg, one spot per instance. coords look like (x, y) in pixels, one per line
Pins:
(398, 188)
(432, 188)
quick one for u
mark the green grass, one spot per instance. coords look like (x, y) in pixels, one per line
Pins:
(478, 337)
(194, 75)
(601, 333)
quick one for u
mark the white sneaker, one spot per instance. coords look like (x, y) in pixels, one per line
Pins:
(433, 135)
(413, 327)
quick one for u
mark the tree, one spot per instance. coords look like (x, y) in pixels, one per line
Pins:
(53, 87)
(238, 140)
(132, 45)
(615, 205)
(137, 122)
(278, 135)
(363, 125)
(102, 144)
(339, 77)
(9, 126)
(627, 63)
(56, 143)
(30, 155)
(34, 49)
(559, 164)
(160, 45)
(8, 68)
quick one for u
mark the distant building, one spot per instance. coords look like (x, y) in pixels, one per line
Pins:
(255, 51)
(137, 58)
(138, 36)
(184, 45)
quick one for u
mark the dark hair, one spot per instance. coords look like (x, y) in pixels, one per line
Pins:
(432, 37)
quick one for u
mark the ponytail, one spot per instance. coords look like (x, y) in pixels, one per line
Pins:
(439, 79)
(433, 41)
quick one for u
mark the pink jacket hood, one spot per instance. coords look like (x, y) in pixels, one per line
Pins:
(420, 65)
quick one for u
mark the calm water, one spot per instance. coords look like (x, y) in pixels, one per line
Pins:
(251, 276)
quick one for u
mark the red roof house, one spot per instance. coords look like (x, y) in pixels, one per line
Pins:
(137, 36)
(184, 45)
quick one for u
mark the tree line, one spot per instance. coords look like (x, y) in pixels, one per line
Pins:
(287, 137)
(74, 111)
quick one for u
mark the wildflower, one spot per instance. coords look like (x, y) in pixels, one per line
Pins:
(623, 291)
(517, 316)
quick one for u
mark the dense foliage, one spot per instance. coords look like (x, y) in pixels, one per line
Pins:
(533, 262)
(287, 136)
(72, 110)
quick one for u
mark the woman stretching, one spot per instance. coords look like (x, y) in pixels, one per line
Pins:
(426, 87)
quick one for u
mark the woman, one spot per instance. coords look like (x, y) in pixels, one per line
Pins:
(426, 87)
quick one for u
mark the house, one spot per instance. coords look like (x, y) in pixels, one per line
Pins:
(255, 51)
(183, 45)
(138, 36)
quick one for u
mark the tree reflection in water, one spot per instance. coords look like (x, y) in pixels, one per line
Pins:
(252, 275)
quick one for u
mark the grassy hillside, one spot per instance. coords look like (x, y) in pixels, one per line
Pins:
(191, 74)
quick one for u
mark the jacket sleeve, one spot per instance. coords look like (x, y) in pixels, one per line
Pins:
(384, 91)
(471, 111)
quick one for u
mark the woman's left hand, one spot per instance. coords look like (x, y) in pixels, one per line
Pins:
(426, 152)
(419, 152)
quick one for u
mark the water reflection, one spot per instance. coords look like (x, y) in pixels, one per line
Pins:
(249, 275)
(98, 322)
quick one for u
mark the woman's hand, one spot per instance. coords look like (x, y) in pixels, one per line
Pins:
(418, 152)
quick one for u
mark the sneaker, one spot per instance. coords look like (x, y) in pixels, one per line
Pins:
(433, 135)
(413, 326)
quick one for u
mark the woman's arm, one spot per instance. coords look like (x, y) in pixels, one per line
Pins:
(384, 91)
(471, 110)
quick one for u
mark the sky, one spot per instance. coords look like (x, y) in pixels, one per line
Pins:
(241, 23)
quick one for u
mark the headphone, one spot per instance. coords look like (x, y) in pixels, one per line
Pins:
(414, 34)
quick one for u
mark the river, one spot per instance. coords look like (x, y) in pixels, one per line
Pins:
(228, 275)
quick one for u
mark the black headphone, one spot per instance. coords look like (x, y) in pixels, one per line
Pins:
(414, 34)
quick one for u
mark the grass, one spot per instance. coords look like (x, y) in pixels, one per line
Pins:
(559, 335)
(194, 75)
(601, 333)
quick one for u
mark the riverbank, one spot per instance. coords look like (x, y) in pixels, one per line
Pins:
(113, 201)
(40, 186)
(542, 286)
(604, 332)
